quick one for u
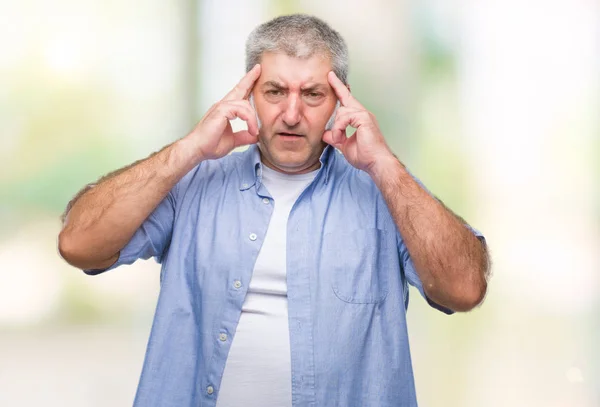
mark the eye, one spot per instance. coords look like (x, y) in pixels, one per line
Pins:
(314, 95)
(274, 92)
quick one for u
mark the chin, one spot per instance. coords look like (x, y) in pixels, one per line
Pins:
(290, 163)
(288, 160)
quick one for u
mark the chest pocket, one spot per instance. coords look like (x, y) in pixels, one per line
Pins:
(359, 263)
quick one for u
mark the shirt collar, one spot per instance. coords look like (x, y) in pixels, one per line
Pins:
(252, 166)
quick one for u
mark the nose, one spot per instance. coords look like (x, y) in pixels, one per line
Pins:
(293, 111)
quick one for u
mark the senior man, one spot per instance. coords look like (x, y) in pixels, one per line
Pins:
(285, 267)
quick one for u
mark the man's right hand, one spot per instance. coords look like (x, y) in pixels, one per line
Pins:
(213, 136)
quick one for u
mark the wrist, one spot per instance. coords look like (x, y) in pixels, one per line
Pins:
(387, 166)
(187, 150)
(178, 159)
(397, 185)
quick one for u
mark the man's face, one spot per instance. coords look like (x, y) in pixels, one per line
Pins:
(293, 101)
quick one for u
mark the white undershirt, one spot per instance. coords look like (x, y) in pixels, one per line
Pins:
(258, 368)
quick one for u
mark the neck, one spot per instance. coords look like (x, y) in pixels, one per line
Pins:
(287, 170)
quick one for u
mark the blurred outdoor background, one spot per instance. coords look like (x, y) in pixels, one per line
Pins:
(493, 104)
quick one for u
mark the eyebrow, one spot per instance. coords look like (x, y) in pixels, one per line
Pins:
(280, 86)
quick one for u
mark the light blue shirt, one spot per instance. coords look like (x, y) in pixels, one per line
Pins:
(348, 272)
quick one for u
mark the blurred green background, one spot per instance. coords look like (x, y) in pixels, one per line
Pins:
(493, 104)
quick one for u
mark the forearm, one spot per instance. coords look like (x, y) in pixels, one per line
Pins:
(450, 260)
(101, 220)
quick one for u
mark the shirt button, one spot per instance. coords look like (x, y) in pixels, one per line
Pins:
(223, 337)
(253, 236)
(210, 390)
(266, 201)
(244, 185)
(237, 283)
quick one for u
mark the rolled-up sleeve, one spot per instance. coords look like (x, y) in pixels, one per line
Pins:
(151, 239)
(410, 273)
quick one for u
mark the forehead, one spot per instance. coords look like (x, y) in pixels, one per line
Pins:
(292, 71)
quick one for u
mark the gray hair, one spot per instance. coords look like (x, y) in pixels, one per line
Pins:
(300, 36)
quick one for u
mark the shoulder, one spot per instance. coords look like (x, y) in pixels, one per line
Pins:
(355, 199)
(345, 176)
(211, 173)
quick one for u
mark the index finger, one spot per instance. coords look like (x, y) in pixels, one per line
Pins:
(243, 88)
(342, 91)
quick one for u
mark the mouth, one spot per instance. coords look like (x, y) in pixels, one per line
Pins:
(286, 135)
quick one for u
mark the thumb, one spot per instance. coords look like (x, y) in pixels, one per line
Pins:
(328, 138)
(243, 137)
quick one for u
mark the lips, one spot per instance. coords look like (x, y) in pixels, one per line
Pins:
(286, 134)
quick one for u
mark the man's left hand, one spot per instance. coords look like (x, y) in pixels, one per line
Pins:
(367, 146)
